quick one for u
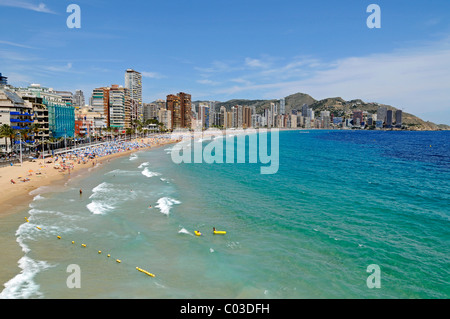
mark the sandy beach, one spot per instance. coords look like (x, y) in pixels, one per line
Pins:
(19, 180)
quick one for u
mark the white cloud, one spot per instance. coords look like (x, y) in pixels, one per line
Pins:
(41, 7)
(415, 79)
(208, 82)
(256, 63)
(152, 75)
(14, 44)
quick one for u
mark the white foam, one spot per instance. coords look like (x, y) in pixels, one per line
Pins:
(38, 197)
(121, 172)
(99, 208)
(211, 250)
(148, 173)
(144, 165)
(165, 204)
(23, 285)
(39, 190)
(185, 231)
(133, 157)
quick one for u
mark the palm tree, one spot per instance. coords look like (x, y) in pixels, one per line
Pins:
(7, 131)
(129, 131)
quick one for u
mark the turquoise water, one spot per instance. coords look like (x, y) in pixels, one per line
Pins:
(341, 201)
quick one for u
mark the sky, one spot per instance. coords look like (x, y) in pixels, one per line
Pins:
(246, 49)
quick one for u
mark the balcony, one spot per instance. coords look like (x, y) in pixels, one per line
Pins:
(21, 121)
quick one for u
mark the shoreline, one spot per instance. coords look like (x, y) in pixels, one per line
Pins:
(17, 196)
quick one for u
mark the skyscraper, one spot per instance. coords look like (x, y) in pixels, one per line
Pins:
(3, 80)
(389, 118)
(282, 106)
(133, 82)
(398, 118)
(381, 113)
(181, 109)
(78, 99)
(100, 104)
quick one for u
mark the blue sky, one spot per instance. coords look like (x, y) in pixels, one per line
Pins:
(220, 50)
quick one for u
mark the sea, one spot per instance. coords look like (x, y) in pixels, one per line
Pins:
(342, 203)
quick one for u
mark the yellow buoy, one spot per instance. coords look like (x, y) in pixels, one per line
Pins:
(119, 261)
(38, 227)
(59, 237)
(219, 232)
(145, 272)
(108, 255)
(99, 251)
(83, 245)
(26, 218)
(73, 242)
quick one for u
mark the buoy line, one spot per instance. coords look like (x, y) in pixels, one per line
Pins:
(119, 261)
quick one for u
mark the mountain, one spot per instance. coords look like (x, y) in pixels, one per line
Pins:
(336, 105)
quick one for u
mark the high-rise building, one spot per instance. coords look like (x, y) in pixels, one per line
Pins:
(204, 114)
(185, 109)
(61, 113)
(100, 105)
(381, 113)
(398, 118)
(247, 117)
(3, 80)
(357, 118)
(78, 99)
(117, 105)
(133, 82)
(389, 118)
(181, 110)
(150, 111)
(173, 105)
(282, 106)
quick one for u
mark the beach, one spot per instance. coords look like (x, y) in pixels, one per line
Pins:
(18, 181)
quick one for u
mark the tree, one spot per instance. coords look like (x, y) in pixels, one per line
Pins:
(7, 131)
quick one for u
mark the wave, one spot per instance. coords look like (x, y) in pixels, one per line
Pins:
(121, 172)
(101, 189)
(99, 208)
(144, 165)
(23, 285)
(133, 157)
(165, 204)
(38, 197)
(185, 231)
(148, 173)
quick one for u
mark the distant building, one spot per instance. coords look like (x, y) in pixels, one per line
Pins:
(357, 118)
(293, 120)
(379, 124)
(150, 111)
(389, 118)
(78, 99)
(133, 82)
(398, 118)
(337, 120)
(180, 107)
(3, 80)
(381, 113)
(282, 106)
(61, 113)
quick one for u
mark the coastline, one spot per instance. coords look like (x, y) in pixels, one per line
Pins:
(15, 200)
(16, 196)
